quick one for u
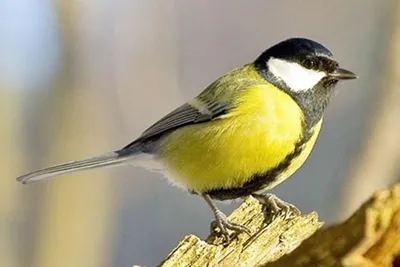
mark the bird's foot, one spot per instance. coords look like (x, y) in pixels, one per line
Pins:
(222, 222)
(275, 206)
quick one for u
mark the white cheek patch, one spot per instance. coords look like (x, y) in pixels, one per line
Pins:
(294, 75)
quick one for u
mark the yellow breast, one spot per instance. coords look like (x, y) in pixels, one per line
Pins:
(298, 161)
(251, 139)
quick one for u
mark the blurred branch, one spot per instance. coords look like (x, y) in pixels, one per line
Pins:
(371, 237)
(379, 158)
(12, 160)
(76, 212)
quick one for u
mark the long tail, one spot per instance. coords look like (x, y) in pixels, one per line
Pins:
(108, 159)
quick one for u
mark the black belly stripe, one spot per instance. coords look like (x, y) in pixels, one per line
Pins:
(259, 181)
(312, 103)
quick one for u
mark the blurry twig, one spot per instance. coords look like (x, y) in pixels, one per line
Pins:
(369, 238)
(76, 213)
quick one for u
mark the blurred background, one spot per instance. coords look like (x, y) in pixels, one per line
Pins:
(79, 78)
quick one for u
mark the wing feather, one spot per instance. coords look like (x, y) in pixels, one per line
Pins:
(193, 112)
(212, 103)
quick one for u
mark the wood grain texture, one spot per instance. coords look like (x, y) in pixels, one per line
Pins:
(370, 237)
(271, 239)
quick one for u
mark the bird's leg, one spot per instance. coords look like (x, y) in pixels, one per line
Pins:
(274, 205)
(222, 221)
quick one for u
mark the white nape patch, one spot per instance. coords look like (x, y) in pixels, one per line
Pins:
(296, 77)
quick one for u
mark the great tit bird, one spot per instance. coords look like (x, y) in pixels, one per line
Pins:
(245, 133)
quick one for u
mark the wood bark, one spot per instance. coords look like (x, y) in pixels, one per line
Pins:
(370, 237)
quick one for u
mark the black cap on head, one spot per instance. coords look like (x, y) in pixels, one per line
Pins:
(306, 52)
(292, 48)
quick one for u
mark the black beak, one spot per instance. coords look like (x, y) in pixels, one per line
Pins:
(342, 74)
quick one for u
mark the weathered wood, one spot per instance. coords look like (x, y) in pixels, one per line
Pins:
(371, 237)
(271, 239)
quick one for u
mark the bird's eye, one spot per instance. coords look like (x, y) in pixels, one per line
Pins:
(309, 63)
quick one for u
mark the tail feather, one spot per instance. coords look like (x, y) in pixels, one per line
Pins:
(108, 159)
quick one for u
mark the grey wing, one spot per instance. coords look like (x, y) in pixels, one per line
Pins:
(193, 112)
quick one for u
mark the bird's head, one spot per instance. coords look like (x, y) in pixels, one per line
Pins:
(303, 68)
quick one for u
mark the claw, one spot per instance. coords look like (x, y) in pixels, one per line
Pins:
(224, 225)
(275, 206)
(222, 222)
